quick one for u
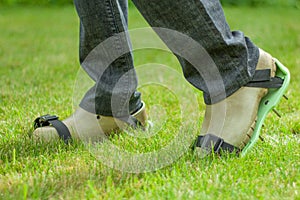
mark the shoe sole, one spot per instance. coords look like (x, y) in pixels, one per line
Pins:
(268, 103)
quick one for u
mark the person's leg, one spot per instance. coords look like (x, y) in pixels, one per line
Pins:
(232, 108)
(234, 54)
(105, 54)
(102, 22)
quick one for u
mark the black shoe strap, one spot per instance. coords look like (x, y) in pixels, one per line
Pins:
(60, 127)
(212, 143)
(131, 121)
(263, 79)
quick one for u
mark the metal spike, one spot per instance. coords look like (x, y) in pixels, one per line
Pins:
(261, 138)
(284, 96)
(277, 113)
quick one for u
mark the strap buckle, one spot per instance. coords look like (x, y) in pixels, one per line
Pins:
(44, 120)
(210, 142)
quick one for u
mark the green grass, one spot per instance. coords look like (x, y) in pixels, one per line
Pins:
(38, 69)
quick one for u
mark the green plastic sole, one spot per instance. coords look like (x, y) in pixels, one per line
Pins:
(268, 103)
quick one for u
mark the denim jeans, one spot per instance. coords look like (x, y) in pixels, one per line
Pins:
(234, 55)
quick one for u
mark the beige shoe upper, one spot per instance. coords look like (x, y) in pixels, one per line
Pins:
(88, 126)
(233, 119)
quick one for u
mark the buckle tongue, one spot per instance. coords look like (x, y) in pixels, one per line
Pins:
(44, 120)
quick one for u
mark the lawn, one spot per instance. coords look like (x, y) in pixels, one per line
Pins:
(39, 71)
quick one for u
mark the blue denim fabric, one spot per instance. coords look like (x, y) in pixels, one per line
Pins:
(234, 54)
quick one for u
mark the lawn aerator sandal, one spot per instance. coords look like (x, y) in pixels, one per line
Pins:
(63, 131)
(61, 128)
(276, 87)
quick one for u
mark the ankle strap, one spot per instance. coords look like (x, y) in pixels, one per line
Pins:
(131, 121)
(214, 143)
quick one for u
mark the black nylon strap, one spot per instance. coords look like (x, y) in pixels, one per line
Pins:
(211, 143)
(262, 75)
(275, 82)
(62, 130)
(263, 79)
(60, 127)
(131, 121)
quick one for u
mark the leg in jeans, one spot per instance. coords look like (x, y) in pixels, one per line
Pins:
(231, 109)
(113, 101)
(100, 20)
(203, 20)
